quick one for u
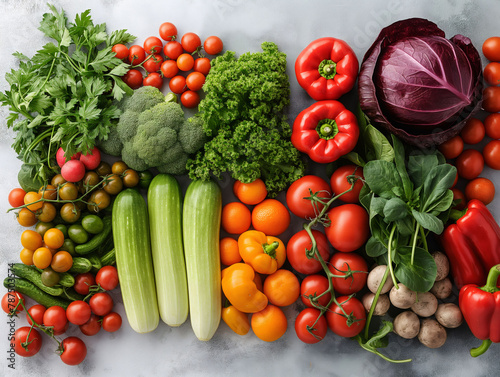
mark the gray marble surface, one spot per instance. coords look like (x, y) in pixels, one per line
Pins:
(242, 25)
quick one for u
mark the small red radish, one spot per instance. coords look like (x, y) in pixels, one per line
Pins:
(91, 160)
(73, 171)
(61, 159)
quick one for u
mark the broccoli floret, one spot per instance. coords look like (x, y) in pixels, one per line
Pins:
(143, 98)
(112, 145)
(129, 156)
(177, 166)
(191, 135)
(165, 114)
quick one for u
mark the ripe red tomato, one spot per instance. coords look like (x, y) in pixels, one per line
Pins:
(112, 322)
(452, 147)
(491, 99)
(480, 188)
(120, 50)
(350, 325)
(190, 99)
(177, 84)
(303, 188)
(73, 350)
(10, 301)
(92, 326)
(195, 81)
(202, 65)
(339, 183)
(349, 228)
(469, 164)
(16, 197)
(167, 31)
(342, 265)
(213, 45)
(27, 341)
(190, 42)
(153, 63)
(173, 50)
(101, 303)
(78, 312)
(36, 312)
(153, 79)
(296, 252)
(169, 68)
(459, 198)
(491, 154)
(133, 78)
(492, 73)
(185, 62)
(491, 49)
(473, 132)
(492, 125)
(56, 316)
(310, 326)
(136, 54)
(107, 277)
(311, 287)
(153, 45)
(83, 282)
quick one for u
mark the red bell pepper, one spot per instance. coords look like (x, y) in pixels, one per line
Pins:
(481, 310)
(472, 244)
(327, 68)
(326, 131)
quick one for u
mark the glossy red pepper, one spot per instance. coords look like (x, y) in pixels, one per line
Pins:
(472, 245)
(326, 131)
(480, 307)
(327, 68)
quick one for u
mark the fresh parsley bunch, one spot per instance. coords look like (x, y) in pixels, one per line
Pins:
(63, 95)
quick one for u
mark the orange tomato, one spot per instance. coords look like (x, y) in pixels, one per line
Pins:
(236, 218)
(250, 193)
(282, 288)
(53, 238)
(31, 240)
(42, 257)
(26, 218)
(229, 252)
(61, 261)
(26, 256)
(271, 217)
(269, 324)
(32, 197)
(48, 192)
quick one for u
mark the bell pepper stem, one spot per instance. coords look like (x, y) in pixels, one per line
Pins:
(492, 279)
(270, 249)
(328, 69)
(478, 351)
(327, 129)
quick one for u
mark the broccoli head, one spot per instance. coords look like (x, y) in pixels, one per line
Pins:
(152, 132)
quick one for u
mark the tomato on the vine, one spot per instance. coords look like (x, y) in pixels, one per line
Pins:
(296, 251)
(26, 218)
(36, 312)
(305, 187)
(10, 300)
(195, 81)
(132, 78)
(92, 326)
(190, 42)
(310, 326)
(169, 68)
(202, 65)
(173, 50)
(28, 341)
(469, 164)
(101, 303)
(16, 197)
(168, 31)
(452, 147)
(340, 183)
(107, 277)
(73, 350)
(473, 132)
(312, 287)
(342, 265)
(78, 312)
(153, 45)
(153, 64)
(153, 79)
(56, 316)
(491, 154)
(177, 84)
(349, 227)
(352, 322)
(190, 99)
(480, 188)
(112, 322)
(83, 282)
(120, 50)
(136, 54)
(213, 45)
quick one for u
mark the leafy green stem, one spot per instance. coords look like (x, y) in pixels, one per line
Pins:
(414, 243)
(374, 302)
(389, 255)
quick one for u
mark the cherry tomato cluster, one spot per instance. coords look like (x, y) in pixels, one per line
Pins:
(344, 272)
(468, 161)
(173, 60)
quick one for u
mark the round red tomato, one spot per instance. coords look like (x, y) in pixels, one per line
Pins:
(352, 322)
(459, 198)
(190, 99)
(36, 312)
(153, 45)
(452, 147)
(342, 265)
(167, 31)
(349, 228)
(16, 197)
(107, 277)
(190, 42)
(492, 125)
(296, 251)
(56, 316)
(177, 84)
(169, 68)
(101, 303)
(10, 301)
(83, 282)
(112, 322)
(133, 78)
(28, 341)
(195, 80)
(491, 154)
(313, 286)
(202, 65)
(480, 188)
(473, 132)
(492, 73)
(339, 183)
(78, 312)
(73, 350)
(491, 99)
(310, 326)
(469, 164)
(92, 326)
(136, 55)
(173, 50)
(491, 49)
(213, 45)
(153, 64)
(303, 188)
(153, 79)
(120, 50)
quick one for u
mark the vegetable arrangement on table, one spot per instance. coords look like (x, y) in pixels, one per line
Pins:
(386, 198)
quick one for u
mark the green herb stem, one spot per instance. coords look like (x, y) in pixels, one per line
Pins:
(414, 244)
(374, 302)
(389, 256)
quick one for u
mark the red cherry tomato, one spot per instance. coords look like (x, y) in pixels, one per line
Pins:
(459, 198)
(168, 31)
(491, 49)
(27, 341)
(343, 265)
(480, 188)
(469, 164)
(101, 303)
(74, 351)
(349, 228)
(350, 325)
(36, 312)
(136, 54)
(120, 50)
(133, 78)
(213, 45)
(296, 252)
(177, 84)
(303, 188)
(56, 316)
(10, 300)
(107, 277)
(310, 326)
(92, 326)
(112, 322)
(190, 42)
(153, 63)
(492, 125)
(339, 183)
(202, 65)
(16, 197)
(491, 154)
(190, 99)
(153, 45)
(185, 62)
(78, 312)
(313, 286)
(173, 50)
(169, 68)
(195, 81)
(452, 147)
(153, 79)
(491, 99)
(492, 73)
(473, 132)
(83, 282)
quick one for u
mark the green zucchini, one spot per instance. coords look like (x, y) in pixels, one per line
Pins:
(165, 213)
(97, 240)
(134, 261)
(201, 225)
(31, 290)
(31, 274)
(80, 265)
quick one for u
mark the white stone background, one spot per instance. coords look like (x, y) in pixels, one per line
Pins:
(242, 25)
